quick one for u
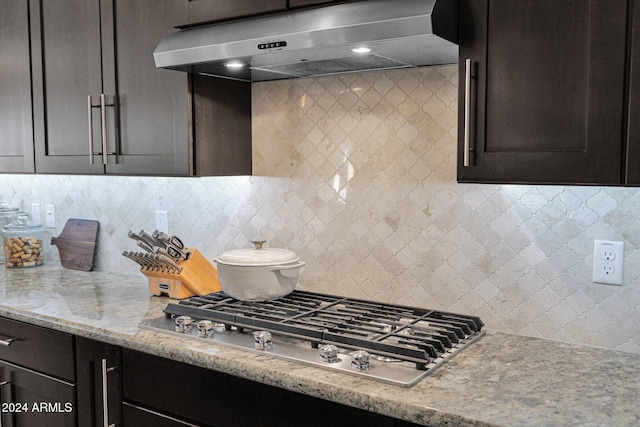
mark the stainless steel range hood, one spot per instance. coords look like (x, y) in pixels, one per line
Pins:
(315, 42)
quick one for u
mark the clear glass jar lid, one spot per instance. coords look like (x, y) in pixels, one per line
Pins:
(258, 257)
(22, 222)
(5, 209)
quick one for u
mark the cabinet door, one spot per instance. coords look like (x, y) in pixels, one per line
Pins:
(16, 134)
(66, 69)
(633, 147)
(89, 48)
(221, 126)
(216, 10)
(150, 128)
(31, 399)
(546, 97)
(99, 368)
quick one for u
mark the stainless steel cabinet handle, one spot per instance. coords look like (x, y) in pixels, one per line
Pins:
(467, 113)
(105, 394)
(103, 110)
(90, 114)
(7, 342)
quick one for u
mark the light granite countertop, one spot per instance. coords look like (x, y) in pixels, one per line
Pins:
(501, 380)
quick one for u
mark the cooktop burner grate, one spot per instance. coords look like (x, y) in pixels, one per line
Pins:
(391, 332)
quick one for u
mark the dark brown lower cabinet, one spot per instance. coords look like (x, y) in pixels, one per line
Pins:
(162, 392)
(37, 376)
(53, 379)
(99, 368)
(29, 398)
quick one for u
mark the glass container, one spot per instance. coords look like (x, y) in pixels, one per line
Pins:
(23, 242)
(8, 214)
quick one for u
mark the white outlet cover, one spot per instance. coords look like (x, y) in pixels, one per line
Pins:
(50, 216)
(162, 221)
(608, 262)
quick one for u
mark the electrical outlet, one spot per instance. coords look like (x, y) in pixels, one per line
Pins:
(162, 221)
(35, 213)
(50, 215)
(608, 262)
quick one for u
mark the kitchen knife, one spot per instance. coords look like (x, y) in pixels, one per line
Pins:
(134, 258)
(174, 246)
(157, 266)
(145, 246)
(142, 242)
(151, 239)
(171, 252)
(140, 256)
(162, 265)
(169, 262)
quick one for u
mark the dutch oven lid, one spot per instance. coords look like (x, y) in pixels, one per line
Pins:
(258, 257)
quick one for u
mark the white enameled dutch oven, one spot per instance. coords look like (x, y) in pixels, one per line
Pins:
(258, 274)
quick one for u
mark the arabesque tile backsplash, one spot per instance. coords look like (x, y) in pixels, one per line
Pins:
(356, 173)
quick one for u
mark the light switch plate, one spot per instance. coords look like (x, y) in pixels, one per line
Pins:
(608, 262)
(35, 213)
(50, 216)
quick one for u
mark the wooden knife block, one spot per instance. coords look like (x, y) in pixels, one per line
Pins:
(198, 277)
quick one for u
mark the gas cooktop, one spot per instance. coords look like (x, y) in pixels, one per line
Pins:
(394, 344)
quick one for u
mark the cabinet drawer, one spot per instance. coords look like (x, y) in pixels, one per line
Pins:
(37, 348)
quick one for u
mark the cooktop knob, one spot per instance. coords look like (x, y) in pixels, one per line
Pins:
(360, 360)
(205, 328)
(329, 353)
(183, 324)
(262, 340)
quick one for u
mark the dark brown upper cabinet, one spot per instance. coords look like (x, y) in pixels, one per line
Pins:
(542, 91)
(100, 104)
(102, 107)
(633, 142)
(16, 131)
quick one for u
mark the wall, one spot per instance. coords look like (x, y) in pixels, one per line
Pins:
(356, 173)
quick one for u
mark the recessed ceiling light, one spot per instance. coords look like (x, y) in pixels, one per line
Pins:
(361, 50)
(234, 65)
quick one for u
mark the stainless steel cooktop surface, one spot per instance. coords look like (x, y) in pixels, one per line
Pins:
(394, 344)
